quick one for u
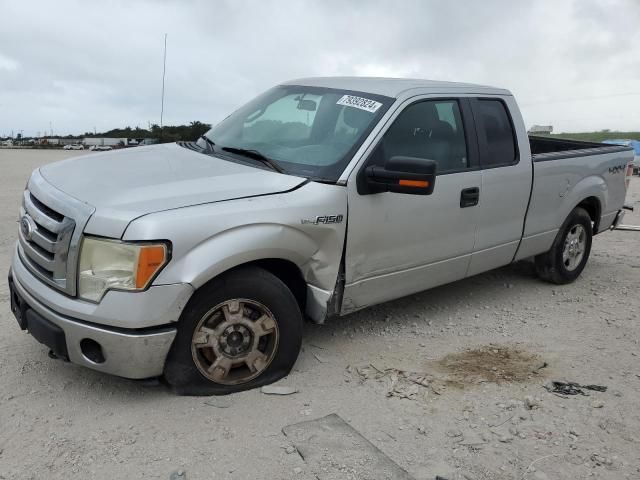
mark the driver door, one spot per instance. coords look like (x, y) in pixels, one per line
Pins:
(397, 243)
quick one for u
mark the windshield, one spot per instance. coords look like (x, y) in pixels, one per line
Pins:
(308, 131)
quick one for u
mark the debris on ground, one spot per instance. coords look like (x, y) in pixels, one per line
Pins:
(530, 403)
(572, 388)
(402, 383)
(178, 475)
(332, 449)
(320, 358)
(599, 460)
(218, 402)
(279, 390)
(491, 363)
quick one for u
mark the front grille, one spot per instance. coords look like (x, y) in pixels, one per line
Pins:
(45, 235)
(51, 225)
(58, 217)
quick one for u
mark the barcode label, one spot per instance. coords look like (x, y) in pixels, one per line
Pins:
(359, 102)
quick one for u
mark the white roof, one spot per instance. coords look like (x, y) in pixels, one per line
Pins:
(394, 87)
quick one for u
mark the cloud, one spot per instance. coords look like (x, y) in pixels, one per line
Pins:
(82, 65)
(7, 63)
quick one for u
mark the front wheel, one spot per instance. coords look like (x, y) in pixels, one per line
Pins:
(240, 331)
(569, 253)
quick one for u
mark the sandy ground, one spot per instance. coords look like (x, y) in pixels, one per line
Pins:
(478, 346)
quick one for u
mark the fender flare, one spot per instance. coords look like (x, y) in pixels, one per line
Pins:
(237, 246)
(591, 186)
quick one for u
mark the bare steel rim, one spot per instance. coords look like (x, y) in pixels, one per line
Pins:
(575, 245)
(235, 341)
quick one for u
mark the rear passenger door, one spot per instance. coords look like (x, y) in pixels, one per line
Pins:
(506, 182)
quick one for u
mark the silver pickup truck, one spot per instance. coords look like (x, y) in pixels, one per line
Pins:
(197, 261)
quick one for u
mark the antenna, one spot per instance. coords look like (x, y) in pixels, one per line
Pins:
(164, 69)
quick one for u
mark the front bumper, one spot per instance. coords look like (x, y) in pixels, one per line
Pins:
(129, 353)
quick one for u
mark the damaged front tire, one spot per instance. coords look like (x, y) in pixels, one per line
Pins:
(238, 332)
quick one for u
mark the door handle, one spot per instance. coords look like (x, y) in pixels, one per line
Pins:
(469, 197)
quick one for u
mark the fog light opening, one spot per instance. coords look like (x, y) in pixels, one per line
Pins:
(92, 350)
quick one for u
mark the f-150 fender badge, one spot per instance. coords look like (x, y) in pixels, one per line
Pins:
(323, 219)
(617, 169)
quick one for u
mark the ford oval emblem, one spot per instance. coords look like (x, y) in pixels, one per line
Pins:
(26, 227)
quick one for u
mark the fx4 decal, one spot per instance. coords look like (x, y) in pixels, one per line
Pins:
(324, 219)
(617, 169)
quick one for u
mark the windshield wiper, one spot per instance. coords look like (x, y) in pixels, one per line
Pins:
(210, 143)
(256, 155)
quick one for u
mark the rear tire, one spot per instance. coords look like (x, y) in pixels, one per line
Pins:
(568, 255)
(240, 331)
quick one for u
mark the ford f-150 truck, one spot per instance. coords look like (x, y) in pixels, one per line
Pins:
(197, 261)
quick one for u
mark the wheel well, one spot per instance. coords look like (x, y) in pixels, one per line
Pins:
(290, 275)
(592, 206)
(288, 272)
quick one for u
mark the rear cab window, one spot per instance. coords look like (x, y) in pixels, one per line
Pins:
(496, 134)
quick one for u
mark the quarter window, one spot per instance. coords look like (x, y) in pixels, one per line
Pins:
(495, 133)
(431, 130)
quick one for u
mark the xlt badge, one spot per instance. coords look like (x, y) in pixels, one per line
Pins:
(323, 219)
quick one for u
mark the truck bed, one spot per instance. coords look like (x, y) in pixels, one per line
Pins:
(583, 173)
(547, 148)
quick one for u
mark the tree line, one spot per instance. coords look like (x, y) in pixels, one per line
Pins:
(165, 134)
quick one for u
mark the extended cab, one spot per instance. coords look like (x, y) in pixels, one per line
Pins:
(322, 196)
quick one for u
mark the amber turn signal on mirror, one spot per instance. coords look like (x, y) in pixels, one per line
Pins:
(414, 183)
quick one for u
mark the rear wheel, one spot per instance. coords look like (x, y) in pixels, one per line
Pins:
(240, 331)
(569, 253)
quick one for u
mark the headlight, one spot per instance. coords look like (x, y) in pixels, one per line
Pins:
(111, 264)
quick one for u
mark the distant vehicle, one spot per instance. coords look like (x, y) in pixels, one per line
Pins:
(75, 146)
(541, 130)
(636, 148)
(100, 148)
(199, 260)
(147, 141)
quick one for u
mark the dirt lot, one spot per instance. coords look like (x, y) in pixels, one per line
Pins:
(448, 382)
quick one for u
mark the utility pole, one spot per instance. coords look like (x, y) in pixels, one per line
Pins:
(164, 70)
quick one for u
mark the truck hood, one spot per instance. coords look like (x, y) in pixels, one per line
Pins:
(126, 184)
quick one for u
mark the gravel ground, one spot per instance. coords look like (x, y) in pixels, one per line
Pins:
(448, 382)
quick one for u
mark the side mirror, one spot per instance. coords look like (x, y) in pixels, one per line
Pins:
(410, 175)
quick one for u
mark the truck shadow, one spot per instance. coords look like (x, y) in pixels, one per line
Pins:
(503, 285)
(42, 376)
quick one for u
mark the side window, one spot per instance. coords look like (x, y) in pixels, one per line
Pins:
(495, 132)
(431, 130)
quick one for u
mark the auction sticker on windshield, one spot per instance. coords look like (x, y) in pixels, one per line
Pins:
(359, 102)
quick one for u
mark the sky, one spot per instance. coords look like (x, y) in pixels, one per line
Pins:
(73, 66)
